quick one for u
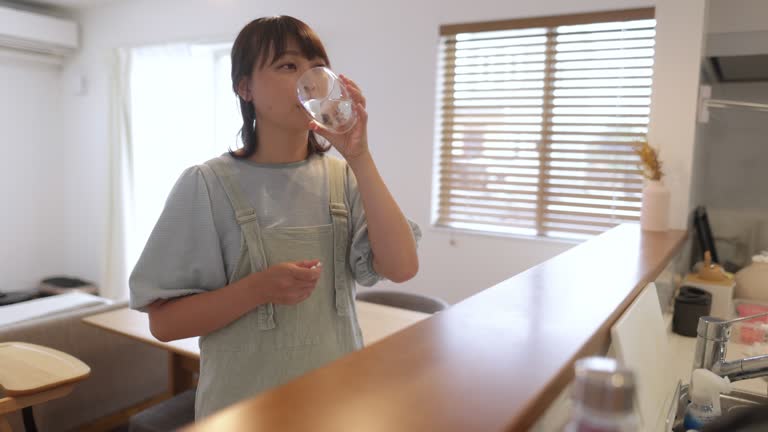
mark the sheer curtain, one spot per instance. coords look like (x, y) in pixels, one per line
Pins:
(172, 107)
(114, 284)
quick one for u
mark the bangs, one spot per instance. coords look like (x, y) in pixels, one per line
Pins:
(270, 41)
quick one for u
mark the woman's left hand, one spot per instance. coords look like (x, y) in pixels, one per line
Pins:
(353, 143)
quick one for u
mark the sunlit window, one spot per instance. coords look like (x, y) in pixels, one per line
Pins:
(537, 122)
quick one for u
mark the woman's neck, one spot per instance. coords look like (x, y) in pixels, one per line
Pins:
(280, 146)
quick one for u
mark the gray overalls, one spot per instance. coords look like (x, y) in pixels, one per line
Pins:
(274, 343)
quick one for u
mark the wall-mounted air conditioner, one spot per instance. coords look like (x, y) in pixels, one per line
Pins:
(34, 34)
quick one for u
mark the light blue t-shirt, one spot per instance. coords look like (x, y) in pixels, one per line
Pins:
(195, 245)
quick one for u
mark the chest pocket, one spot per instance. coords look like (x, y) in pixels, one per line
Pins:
(312, 321)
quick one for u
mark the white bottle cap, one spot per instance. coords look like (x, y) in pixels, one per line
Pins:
(706, 387)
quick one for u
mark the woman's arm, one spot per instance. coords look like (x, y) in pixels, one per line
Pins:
(393, 245)
(392, 242)
(200, 314)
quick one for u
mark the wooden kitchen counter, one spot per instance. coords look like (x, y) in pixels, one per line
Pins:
(492, 362)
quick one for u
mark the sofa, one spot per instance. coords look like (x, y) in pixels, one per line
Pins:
(124, 372)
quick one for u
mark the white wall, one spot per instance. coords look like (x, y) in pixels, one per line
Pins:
(33, 219)
(734, 179)
(392, 54)
(737, 160)
(680, 30)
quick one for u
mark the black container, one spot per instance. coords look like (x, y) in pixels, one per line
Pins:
(12, 297)
(690, 305)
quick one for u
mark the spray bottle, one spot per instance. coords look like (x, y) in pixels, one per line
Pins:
(704, 391)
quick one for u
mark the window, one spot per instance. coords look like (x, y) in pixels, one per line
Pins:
(537, 122)
(182, 112)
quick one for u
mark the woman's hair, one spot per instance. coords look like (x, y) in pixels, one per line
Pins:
(260, 43)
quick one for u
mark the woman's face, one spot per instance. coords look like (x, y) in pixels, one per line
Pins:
(272, 89)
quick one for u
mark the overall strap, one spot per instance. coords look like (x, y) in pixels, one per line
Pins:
(249, 224)
(340, 219)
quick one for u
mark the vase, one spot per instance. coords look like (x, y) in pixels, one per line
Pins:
(654, 211)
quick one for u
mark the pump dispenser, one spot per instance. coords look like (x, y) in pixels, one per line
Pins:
(704, 391)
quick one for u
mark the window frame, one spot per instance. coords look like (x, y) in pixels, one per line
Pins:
(548, 22)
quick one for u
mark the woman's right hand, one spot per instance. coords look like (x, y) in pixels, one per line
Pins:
(288, 283)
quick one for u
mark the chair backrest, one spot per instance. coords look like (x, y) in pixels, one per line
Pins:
(171, 414)
(404, 300)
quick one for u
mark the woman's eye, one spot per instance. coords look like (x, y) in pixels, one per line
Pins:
(288, 66)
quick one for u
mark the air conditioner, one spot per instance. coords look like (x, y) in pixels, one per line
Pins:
(34, 34)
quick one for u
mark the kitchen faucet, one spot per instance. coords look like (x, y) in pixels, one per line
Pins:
(712, 337)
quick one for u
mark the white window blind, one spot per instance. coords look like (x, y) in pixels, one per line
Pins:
(537, 123)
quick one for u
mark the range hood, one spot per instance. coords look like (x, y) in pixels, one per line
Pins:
(738, 56)
(740, 68)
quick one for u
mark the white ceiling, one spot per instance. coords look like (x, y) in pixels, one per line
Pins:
(72, 3)
(65, 3)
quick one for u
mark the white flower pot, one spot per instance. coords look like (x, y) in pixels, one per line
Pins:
(654, 212)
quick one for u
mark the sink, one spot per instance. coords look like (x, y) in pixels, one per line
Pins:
(730, 403)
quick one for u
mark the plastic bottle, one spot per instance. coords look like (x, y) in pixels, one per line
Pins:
(704, 393)
(603, 397)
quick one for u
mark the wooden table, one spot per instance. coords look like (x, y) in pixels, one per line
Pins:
(376, 321)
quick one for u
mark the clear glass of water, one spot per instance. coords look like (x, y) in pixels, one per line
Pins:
(326, 99)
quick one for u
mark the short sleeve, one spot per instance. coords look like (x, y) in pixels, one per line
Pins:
(361, 254)
(183, 254)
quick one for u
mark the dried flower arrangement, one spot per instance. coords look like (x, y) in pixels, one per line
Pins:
(650, 164)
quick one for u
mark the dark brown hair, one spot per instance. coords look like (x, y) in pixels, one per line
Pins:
(263, 41)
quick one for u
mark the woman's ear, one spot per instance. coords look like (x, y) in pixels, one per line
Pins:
(244, 89)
